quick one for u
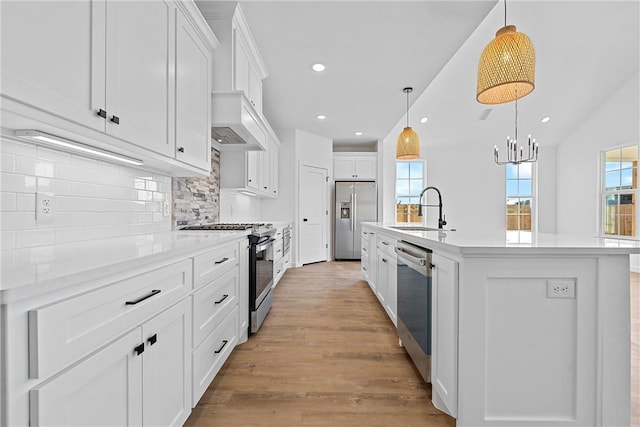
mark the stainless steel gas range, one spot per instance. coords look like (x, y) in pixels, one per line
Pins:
(260, 266)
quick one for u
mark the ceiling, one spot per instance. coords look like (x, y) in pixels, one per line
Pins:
(585, 50)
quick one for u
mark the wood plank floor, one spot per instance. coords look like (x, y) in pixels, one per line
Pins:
(327, 355)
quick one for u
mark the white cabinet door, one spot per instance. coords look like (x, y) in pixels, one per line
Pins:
(138, 73)
(241, 63)
(382, 272)
(255, 90)
(343, 168)
(193, 99)
(392, 291)
(53, 57)
(373, 262)
(105, 389)
(265, 169)
(243, 291)
(365, 167)
(444, 338)
(254, 159)
(167, 367)
(275, 163)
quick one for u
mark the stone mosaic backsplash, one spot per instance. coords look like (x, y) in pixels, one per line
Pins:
(197, 200)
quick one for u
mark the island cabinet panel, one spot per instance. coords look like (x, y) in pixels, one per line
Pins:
(528, 356)
(444, 338)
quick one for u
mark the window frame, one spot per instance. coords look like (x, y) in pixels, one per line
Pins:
(603, 193)
(534, 198)
(395, 176)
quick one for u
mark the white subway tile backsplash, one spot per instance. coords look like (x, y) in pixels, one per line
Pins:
(8, 202)
(17, 183)
(18, 220)
(26, 202)
(31, 238)
(18, 148)
(7, 240)
(94, 199)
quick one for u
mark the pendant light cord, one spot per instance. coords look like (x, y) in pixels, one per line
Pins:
(505, 13)
(516, 122)
(407, 108)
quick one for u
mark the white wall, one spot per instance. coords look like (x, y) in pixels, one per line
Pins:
(615, 123)
(94, 199)
(235, 207)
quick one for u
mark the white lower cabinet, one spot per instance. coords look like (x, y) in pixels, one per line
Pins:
(386, 270)
(140, 379)
(212, 353)
(444, 338)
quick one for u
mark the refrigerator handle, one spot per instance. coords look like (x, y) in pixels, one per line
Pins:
(351, 213)
(355, 213)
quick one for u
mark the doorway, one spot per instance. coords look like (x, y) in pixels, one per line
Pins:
(313, 216)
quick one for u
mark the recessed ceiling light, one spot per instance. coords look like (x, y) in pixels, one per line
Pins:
(321, 117)
(357, 133)
(545, 119)
(318, 67)
(424, 119)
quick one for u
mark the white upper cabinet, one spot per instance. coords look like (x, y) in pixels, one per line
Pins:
(53, 57)
(246, 73)
(354, 166)
(117, 74)
(138, 83)
(193, 102)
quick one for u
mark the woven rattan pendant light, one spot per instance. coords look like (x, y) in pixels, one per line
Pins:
(507, 66)
(408, 146)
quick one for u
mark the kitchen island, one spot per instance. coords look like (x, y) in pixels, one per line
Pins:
(527, 328)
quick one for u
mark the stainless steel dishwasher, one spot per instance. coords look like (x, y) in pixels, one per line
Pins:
(414, 304)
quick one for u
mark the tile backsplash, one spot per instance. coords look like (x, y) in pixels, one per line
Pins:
(93, 199)
(197, 200)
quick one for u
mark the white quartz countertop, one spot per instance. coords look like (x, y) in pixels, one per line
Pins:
(470, 240)
(34, 271)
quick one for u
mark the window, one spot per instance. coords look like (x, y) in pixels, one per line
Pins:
(519, 196)
(620, 190)
(409, 185)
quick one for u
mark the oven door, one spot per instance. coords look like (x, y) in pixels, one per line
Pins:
(263, 270)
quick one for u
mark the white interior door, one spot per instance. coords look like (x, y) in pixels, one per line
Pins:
(314, 218)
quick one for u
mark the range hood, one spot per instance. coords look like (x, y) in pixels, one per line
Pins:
(235, 123)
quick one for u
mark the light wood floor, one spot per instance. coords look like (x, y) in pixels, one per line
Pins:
(327, 355)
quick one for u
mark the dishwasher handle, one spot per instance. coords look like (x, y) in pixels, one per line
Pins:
(415, 260)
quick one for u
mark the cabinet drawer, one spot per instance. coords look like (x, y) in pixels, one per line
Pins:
(386, 244)
(277, 249)
(212, 303)
(213, 264)
(212, 353)
(62, 332)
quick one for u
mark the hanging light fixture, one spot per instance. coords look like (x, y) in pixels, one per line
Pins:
(408, 146)
(514, 156)
(507, 66)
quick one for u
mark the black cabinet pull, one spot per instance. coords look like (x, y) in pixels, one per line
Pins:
(152, 339)
(115, 119)
(432, 265)
(222, 260)
(304, 220)
(265, 187)
(102, 113)
(139, 349)
(180, 149)
(152, 293)
(274, 191)
(224, 297)
(224, 343)
(384, 260)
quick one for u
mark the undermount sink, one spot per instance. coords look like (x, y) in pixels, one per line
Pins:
(418, 228)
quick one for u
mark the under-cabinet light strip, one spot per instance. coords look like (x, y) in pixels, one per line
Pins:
(73, 146)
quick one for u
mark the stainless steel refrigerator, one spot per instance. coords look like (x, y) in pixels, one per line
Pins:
(356, 202)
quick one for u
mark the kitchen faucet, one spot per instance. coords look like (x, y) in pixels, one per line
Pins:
(441, 219)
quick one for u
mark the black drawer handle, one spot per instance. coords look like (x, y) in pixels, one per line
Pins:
(180, 149)
(152, 293)
(279, 250)
(224, 297)
(224, 343)
(102, 113)
(222, 260)
(139, 349)
(152, 339)
(115, 119)
(384, 260)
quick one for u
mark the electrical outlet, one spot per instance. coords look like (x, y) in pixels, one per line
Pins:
(561, 288)
(45, 207)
